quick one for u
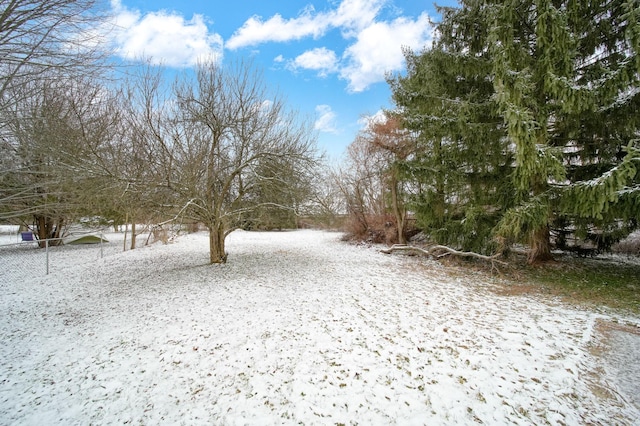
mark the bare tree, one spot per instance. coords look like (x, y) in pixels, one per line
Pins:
(137, 188)
(46, 47)
(38, 36)
(394, 144)
(361, 183)
(371, 180)
(224, 147)
(51, 168)
(327, 207)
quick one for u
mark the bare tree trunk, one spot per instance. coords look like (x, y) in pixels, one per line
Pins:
(133, 234)
(398, 211)
(216, 243)
(126, 229)
(540, 246)
(48, 228)
(41, 229)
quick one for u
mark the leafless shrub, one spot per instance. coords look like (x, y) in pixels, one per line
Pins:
(629, 246)
(160, 234)
(374, 229)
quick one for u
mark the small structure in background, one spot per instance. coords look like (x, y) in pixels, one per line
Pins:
(27, 236)
(88, 239)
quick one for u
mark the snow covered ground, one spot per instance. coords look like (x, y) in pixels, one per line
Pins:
(298, 328)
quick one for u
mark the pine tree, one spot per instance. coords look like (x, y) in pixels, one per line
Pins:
(462, 163)
(526, 112)
(566, 78)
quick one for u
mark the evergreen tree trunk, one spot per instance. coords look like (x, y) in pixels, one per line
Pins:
(540, 250)
(439, 207)
(216, 243)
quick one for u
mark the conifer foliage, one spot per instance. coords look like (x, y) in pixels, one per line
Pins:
(527, 115)
(462, 162)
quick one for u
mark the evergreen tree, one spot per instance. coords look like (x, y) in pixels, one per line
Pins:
(462, 162)
(566, 78)
(526, 116)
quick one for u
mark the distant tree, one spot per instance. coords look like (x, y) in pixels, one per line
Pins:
(370, 180)
(361, 182)
(146, 156)
(136, 184)
(327, 206)
(280, 194)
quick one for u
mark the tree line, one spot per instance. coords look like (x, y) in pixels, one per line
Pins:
(519, 125)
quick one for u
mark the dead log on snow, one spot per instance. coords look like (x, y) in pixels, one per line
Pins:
(431, 251)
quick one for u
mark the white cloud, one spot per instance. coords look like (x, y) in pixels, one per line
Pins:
(255, 31)
(375, 45)
(163, 37)
(350, 16)
(320, 59)
(278, 59)
(326, 121)
(354, 15)
(378, 50)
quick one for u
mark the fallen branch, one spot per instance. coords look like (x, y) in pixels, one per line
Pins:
(431, 251)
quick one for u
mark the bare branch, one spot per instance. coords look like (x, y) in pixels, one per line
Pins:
(441, 251)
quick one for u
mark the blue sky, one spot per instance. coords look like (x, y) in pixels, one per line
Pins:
(328, 58)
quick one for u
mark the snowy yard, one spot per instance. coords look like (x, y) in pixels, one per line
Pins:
(300, 328)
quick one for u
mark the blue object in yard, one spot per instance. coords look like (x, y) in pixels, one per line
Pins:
(27, 236)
